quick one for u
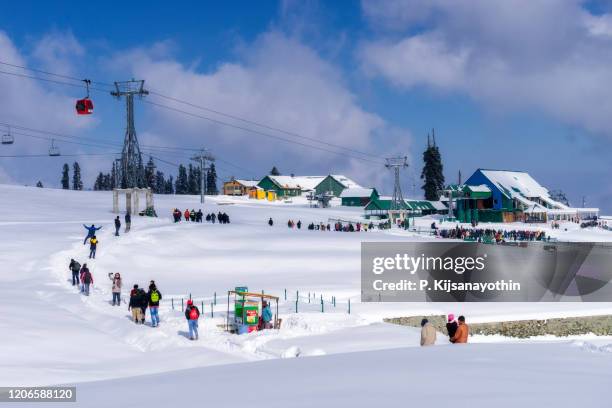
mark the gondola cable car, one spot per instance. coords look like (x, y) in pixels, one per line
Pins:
(85, 106)
(54, 150)
(8, 138)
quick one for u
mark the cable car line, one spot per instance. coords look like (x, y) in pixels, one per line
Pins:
(216, 120)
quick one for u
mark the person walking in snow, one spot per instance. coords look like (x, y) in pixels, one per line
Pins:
(428, 333)
(93, 245)
(91, 231)
(116, 289)
(451, 326)
(154, 296)
(143, 301)
(213, 217)
(270, 222)
(192, 215)
(134, 305)
(187, 215)
(128, 222)
(299, 224)
(81, 274)
(75, 268)
(87, 279)
(462, 333)
(192, 314)
(117, 226)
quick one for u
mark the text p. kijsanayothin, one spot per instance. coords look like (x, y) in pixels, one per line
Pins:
(459, 265)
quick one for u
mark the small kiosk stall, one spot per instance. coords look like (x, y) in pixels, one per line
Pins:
(245, 318)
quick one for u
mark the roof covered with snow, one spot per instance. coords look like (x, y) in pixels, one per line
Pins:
(356, 192)
(297, 182)
(247, 183)
(511, 182)
(345, 181)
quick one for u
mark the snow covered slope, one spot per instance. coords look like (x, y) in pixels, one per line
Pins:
(50, 334)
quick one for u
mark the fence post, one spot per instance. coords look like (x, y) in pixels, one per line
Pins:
(215, 298)
(172, 303)
(322, 309)
(349, 306)
(189, 295)
(212, 311)
(182, 305)
(297, 295)
(296, 306)
(285, 294)
(308, 297)
(202, 307)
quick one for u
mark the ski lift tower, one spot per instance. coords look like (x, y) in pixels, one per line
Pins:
(398, 206)
(132, 170)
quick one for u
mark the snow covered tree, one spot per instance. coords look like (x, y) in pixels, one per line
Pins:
(77, 184)
(274, 171)
(39, 184)
(106, 182)
(66, 177)
(149, 174)
(181, 184)
(432, 173)
(211, 181)
(559, 195)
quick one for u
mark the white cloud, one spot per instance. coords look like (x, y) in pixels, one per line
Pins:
(277, 81)
(549, 56)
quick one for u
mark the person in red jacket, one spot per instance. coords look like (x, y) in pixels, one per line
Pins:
(186, 215)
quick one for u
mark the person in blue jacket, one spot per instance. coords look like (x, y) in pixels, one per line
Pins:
(91, 231)
(266, 315)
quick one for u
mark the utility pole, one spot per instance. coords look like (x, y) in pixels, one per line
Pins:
(131, 158)
(397, 163)
(201, 158)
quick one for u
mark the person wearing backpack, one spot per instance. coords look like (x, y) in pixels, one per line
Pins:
(87, 280)
(192, 314)
(75, 268)
(134, 305)
(154, 297)
(143, 301)
(116, 289)
(93, 245)
(82, 276)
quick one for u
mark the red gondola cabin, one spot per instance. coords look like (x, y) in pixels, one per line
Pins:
(84, 106)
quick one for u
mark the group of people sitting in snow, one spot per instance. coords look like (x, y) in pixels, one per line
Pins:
(198, 216)
(489, 234)
(458, 331)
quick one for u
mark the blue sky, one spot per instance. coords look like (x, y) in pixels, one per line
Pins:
(519, 87)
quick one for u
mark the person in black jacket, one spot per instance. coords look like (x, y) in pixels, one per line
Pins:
(451, 326)
(143, 302)
(75, 268)
(192, 314)
(134, 305)
(154, 296)
(117, 226)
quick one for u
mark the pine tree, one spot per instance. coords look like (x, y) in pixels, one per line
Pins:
(113, 176)
(198, 179)
(99, 184)
(169, 188)
(149, 174)
(181, 184)
(106, 182)
(274, 171)
(192, 187)
(66, 177)
(160, 183)
(211, 181)
(39, 184)
(432, 173)
(77, 184)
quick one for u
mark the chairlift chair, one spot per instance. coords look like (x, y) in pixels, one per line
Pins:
(85, 106)
(54, 150)
(7, 138)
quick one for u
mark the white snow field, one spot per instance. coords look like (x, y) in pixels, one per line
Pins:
(50, 334)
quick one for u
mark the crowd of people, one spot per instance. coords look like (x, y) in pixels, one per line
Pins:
(490, 234)
(198, 216)
(338, 226)
(458, 331)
